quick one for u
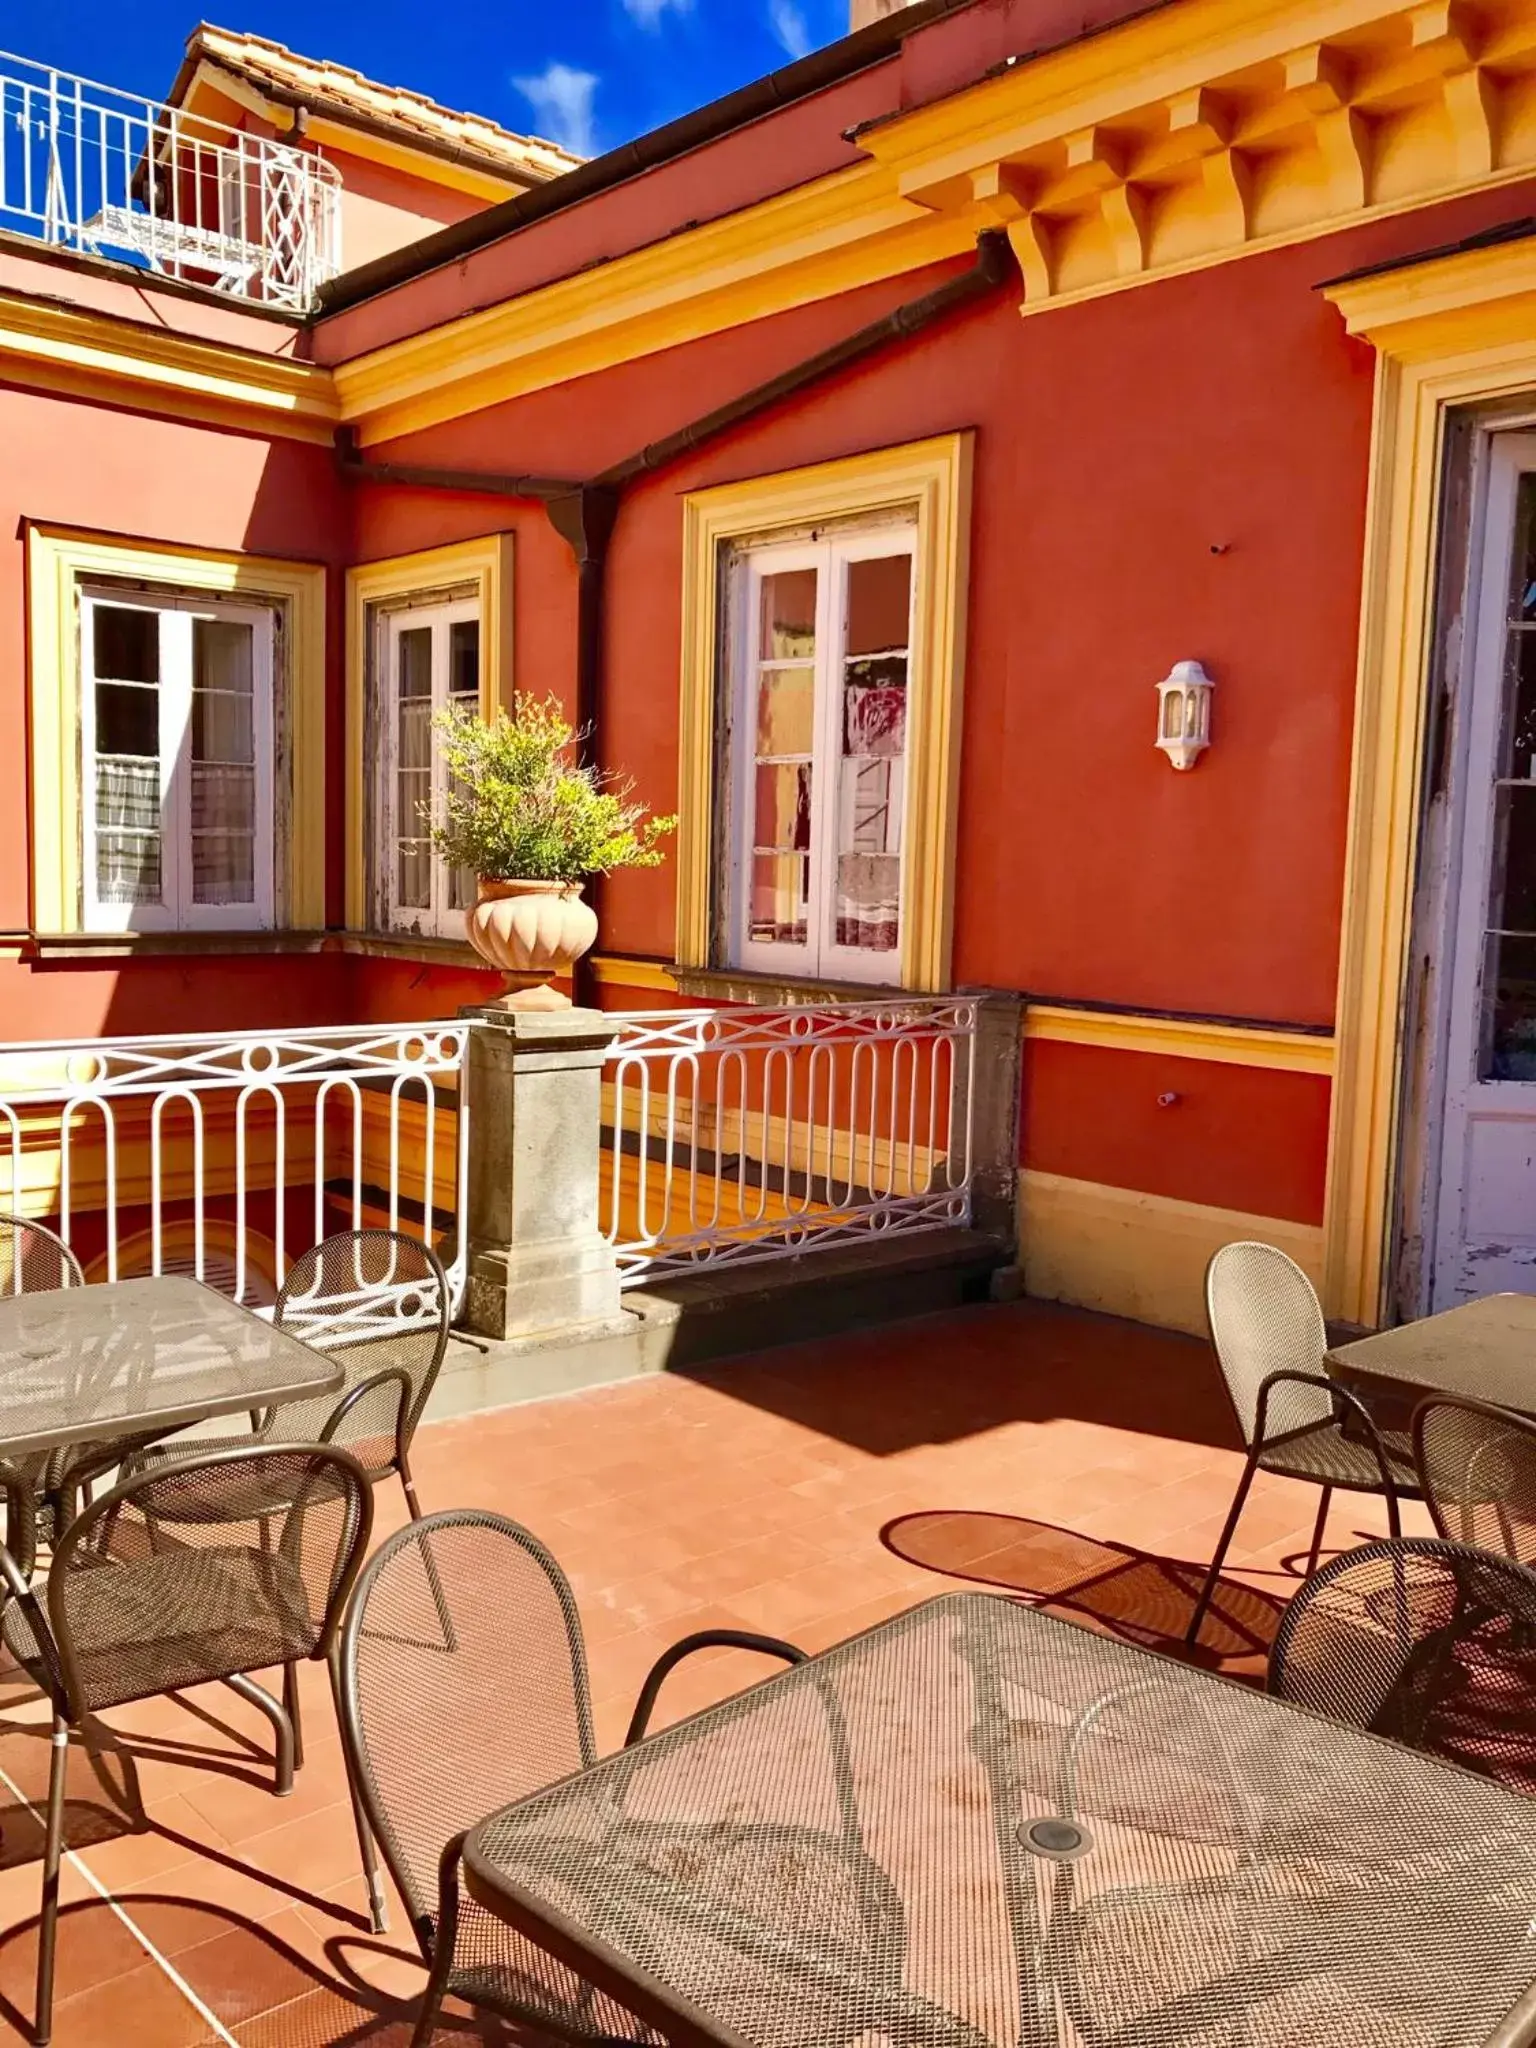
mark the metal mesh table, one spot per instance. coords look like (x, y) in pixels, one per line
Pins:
(978, 1827)
(1484, 1349)
(138, 1356)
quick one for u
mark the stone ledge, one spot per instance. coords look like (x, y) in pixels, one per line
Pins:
(727, 1314)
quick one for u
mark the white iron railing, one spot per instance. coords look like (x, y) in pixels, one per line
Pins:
(749, 1134)
(85, 166)
(229, 1156)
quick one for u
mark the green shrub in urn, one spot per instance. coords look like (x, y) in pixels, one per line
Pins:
(532, 822)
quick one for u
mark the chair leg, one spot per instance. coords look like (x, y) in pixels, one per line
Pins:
(291, 1709)
(378, 1910)
(1394, 1519)
(53, 1852)
(434, 1577)
(432, 1997)
(1320, 1529)
(282, 1727)
(1213, 1576)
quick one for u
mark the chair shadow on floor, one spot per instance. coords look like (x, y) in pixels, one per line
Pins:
(1132, 1594)
(237, 1969)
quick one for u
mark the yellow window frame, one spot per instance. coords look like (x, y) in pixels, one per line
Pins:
(486, 563)
(932, 480)
(59, 561)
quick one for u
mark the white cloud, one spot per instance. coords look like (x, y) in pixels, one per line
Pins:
(649, 12)
(561, 99)
(788, 25)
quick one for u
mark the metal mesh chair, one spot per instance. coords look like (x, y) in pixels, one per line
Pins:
(36, 1260)
(1430, 1643)
(169, 1580)
(1267, 1327)
(380, 1302)
(464, 1687)
(1477, 1470)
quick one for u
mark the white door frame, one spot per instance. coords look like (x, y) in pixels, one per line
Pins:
(1442, 1004)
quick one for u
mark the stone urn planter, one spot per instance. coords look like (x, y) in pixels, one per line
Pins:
(531, 931)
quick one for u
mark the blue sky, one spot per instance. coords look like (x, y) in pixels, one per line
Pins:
(589, 73)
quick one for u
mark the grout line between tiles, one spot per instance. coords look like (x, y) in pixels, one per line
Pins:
(204, 2013)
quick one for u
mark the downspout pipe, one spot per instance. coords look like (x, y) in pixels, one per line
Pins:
(584, 514)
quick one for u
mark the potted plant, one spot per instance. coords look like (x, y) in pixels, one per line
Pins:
(522, 814)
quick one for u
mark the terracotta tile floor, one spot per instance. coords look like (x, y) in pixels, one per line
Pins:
(805, 1492)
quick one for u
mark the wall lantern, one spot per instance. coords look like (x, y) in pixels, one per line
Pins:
(1184, 713)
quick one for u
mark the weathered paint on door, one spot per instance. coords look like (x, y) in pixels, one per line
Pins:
(1486, 1230)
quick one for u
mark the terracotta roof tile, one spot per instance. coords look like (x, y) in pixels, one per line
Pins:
(347, 93)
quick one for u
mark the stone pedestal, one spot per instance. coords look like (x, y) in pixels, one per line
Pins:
(538, 1264)
(990, 1094)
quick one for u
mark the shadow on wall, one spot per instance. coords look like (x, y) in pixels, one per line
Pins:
(941, 1379)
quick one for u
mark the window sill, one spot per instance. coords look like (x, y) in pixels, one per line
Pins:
(777, 991)
(48, 946)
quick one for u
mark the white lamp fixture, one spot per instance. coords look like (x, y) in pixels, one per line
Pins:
(1184, 713)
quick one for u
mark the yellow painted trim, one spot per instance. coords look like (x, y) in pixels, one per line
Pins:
(608, 971)
(149, 369)
(337, 139)
(486, 563)
(934, 479)
(1186, 137)
(58, 561)
(1458, 332)
(1126, 1253)
(1234, 1045)
(827, 237)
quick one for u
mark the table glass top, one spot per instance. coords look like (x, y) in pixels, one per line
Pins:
(84, 1362)
(1485, 1349)
(978, 1827)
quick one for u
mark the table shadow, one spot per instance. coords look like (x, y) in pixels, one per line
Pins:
(1133, 1594)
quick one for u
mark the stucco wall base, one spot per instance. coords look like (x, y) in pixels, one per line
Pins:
(1137, 1255)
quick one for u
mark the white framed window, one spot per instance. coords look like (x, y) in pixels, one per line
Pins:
(429, 657)
(816, 741)
(176, 718)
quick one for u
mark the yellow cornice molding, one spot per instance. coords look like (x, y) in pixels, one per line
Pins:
(831, 236)
(92, 355)
(1465, 299)
(1215, 128)
(1233, 1045)
(1202, 132)
(610, 970)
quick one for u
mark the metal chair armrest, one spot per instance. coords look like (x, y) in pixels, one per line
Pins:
(1342, 1396)
(705, 1639)
(359, 1393)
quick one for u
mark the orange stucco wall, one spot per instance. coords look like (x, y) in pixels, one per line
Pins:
(383, 209)
(1174, 471)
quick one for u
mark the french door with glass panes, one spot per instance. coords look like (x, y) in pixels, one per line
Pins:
(818, 746)
(1485, 1235)
(176, 757)
(431, 659)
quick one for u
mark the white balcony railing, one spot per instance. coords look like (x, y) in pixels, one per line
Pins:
(749, 1134)
(229, 1156)
(83, 166)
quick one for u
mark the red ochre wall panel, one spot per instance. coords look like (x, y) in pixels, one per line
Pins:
(1247, 1138)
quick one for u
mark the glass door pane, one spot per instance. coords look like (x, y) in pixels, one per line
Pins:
(464, 694)
(223, 761)
(1508, 1035)
(126, 679)
(784, 730)
(413, 767)
(872, 745)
